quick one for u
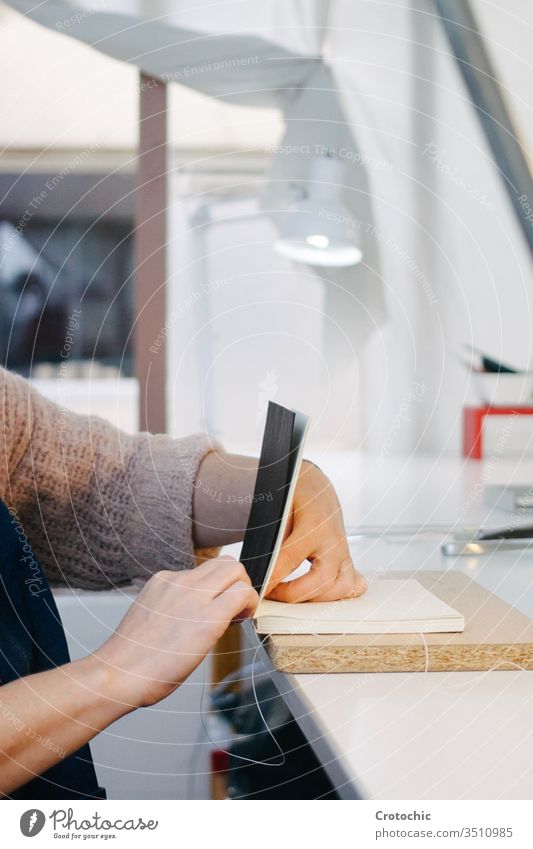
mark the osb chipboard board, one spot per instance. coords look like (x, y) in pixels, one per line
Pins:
(496, 636)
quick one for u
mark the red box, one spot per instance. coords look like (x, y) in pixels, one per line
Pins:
(473, 419)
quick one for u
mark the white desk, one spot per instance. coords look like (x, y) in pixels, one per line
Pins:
(423, 736)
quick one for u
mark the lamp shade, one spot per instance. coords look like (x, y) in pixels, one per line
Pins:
(319, 229)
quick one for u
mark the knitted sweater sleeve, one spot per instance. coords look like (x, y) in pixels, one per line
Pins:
(99, 506)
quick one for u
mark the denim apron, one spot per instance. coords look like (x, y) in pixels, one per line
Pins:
(32, 639)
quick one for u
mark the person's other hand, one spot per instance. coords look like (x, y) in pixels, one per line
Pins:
(171, 626)
(316, 533)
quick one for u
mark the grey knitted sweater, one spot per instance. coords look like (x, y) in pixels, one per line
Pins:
(98, 506)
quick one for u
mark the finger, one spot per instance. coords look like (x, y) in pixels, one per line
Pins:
(247, 613)
(293, 552)
(235, 600)
(349, 584)
(320, 578)
(215, 576)
(214, 564)
(327, 561)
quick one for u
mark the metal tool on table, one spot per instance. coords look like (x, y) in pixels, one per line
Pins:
(464, 540)
(415, 533)
(486, 542)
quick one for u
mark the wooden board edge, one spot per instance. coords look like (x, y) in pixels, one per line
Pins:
(343, 659)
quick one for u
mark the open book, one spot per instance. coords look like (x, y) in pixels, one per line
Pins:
(388, 606)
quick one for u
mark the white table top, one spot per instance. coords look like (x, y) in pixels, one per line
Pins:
(455, 735)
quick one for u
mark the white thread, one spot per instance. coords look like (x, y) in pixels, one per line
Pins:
(486, 672)
(426, 664)
(426, 650)
(426, 647)
(242, 757)
(280, 750)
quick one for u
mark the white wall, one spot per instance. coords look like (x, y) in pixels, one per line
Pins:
(56, 92)
(455, 267)
(246, 326)
(484, 273)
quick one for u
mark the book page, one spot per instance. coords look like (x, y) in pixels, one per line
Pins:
(388, 606)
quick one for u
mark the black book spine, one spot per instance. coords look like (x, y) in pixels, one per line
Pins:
(270, 493)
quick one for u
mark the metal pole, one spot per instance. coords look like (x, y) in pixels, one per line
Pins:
(481, 81)
(150, 254)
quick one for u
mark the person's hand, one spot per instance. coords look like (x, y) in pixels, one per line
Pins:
(316, 533)
(172, 625)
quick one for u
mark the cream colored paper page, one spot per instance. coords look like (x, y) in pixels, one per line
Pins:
(388, 606)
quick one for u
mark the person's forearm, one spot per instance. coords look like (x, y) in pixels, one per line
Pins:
(75, 483)
(47, 716)
(222, 498)
(167, 631)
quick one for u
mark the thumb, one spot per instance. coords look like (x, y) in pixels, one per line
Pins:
(292, 553)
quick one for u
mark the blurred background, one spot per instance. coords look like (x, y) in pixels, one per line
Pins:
(412, 290)
(444, 263)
